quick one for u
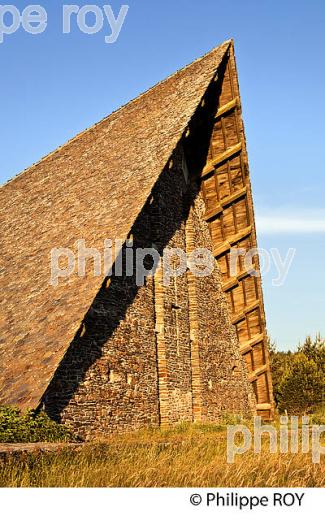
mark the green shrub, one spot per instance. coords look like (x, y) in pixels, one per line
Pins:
(299, 378)
(30, 427)
(301, 386)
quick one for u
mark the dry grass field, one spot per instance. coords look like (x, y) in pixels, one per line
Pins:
(187, 456)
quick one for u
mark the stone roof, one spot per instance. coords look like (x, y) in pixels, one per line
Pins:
(92, 188)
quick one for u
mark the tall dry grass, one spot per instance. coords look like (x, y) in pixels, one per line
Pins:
(182, 457)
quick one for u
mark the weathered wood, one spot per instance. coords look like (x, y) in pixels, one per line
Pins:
(258, 372)
(234, 103)
(241, 316)
(248, 345)
(213, 213)
(37, 448)
(229, 228)
(227, 245)
(233, 282)
(263, 390)
(227, 201)
(263, 406)
(230, 152)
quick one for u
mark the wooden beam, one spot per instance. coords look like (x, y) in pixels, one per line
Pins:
(225, 202)
(234, 103)
(227, 154)
(258, 372)
(227, 245)
(247, 346)
(233, 282)
(263, 407)
(213, 213)
(241, 316)
(234, 197)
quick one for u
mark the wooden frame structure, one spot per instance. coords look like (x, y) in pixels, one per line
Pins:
(226, 189)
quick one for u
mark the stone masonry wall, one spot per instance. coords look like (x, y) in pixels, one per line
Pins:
(107, 381)
(131, 364)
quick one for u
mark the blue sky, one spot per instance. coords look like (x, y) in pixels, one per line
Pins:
(53, 86)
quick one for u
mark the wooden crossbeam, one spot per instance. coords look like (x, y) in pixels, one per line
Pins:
(214, 213)
(227, 245)
(241, 316)
(247, 346)
(234, 197)
(230, 152)
(234, 103)
(233, 282)
(258, 372)
(263, 407)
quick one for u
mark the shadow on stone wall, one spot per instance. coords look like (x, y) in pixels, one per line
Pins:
(153, 226)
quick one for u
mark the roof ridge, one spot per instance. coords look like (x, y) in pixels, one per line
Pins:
(104, 119)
